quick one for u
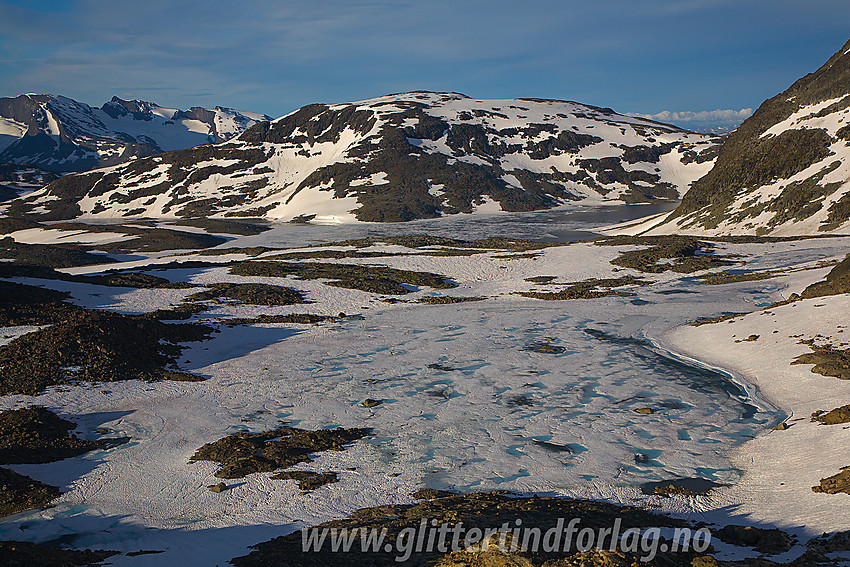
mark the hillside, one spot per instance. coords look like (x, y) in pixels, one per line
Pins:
(398, 158)
(784, 171)
(59, 134)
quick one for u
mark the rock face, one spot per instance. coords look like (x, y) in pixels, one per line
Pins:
(398, 158)
(59, 134)
(784, 171)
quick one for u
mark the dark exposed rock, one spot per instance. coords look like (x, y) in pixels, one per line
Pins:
(609, 170)
(529, 255)
(26, 554)
(688, 254)
(541, 279)
(477, 510)
(25, 176)
(448, 299)
(717, 319)
(181, 312)
(308, 480)
(64, 135)
(332, 254)
(111, 278)
(420, 241)
(680, 486)
(830, 543)
(393, 140)
(299, 318)
(51, 256)
(98, 346)
(244, 453)
(24, 294)
(160, 239)
(432, 494)
(137, 280)
(729, 277)
(544, 347)
(837, 281)
(248, 251)
(839, 212)
(19, 493)
(370, 403)
(648, 154)
(833, 417)
(253, 294)
(37, 435)
(14, 223)
(748, 159)
(375, 279)
(22, 304)
(589, 289)
(836, 483)
(767, 541)
(827, 361)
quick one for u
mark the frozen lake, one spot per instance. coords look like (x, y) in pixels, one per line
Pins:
(507, 393)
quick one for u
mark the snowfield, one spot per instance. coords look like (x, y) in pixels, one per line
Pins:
(470, 400)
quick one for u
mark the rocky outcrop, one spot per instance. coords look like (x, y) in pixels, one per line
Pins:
(246, 453)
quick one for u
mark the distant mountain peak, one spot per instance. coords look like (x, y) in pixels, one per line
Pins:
(60, 134)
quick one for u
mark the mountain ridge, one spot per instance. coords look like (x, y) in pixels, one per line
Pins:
(396, 158)
(60, 134)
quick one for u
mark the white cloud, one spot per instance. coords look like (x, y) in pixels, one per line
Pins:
(722, 116)
(716, 121)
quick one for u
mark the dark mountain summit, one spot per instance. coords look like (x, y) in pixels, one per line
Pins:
(785, 169)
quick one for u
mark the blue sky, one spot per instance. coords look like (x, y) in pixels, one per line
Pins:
(686, 58)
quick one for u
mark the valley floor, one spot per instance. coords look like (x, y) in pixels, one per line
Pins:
(556, 369)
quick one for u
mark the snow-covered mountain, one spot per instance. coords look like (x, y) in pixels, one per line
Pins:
(59, 134)
(397, 158)
(784, 171)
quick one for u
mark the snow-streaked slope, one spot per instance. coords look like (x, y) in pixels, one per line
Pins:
(60, 134)
(785, 171)
(401, 157)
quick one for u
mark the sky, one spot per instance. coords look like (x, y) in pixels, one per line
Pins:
(702, 64)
